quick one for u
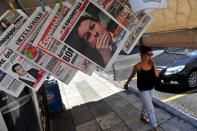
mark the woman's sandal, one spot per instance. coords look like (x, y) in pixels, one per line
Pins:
(144, 119)
(155, 129)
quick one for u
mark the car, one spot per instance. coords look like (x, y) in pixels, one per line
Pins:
(177, 67)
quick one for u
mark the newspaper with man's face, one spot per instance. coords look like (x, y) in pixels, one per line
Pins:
(23, 44)
(93, 32)
(22, 70)
(45, 42)
(10, 22)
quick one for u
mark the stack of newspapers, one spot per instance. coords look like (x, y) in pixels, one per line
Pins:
(63, 40)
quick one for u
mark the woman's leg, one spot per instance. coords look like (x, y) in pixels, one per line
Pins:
(146, 97)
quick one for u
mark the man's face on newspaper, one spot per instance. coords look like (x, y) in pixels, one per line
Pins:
(95, 33)
(20, 70)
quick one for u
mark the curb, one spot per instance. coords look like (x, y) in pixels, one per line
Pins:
(191, 120)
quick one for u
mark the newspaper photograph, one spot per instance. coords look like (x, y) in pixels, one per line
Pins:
(136, 34)
(90, 31)
(23, 44)
(150, 5)
(22, 70)
(54, 48)
(10, 22)
(10, 85)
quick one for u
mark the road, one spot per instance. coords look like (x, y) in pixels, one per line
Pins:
(181, 98)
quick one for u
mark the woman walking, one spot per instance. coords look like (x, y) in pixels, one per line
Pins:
(146, 78)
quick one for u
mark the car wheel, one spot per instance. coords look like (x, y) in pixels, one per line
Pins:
(192, 79)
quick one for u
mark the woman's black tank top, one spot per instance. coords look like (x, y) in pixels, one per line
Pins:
(145, 79)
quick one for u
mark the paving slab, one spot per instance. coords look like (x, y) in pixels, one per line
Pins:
(120, 127)
(116, 103)
(99, 108)
(89, 126)
(81, 115)
(162, 116)
(60, 119)
(108, 121)
(176, 124)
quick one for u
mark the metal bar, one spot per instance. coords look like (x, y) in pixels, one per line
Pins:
(114, 71)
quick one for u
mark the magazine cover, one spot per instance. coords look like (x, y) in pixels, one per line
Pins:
(22, 70)
(150, 5)
(10, 22)
(23, 44)
(136, 34)
(89, 30)
(54, 48)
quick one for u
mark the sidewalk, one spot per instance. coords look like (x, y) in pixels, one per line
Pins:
(94, 104)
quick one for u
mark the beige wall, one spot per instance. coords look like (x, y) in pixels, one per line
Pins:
(180, 39)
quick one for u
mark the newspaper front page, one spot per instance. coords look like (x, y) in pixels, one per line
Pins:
(23, 44)
(10, 22)
(120, 11)
(22, 70)
(54, 48)
(138, 31)
(147, 5)
(132, 21)
(93, 32)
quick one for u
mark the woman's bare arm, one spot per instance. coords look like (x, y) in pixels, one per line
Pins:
(135, 68)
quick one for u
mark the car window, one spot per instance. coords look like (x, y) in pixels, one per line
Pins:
(193, 53)
(179, 51)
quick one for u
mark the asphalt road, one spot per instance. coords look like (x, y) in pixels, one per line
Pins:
(181, 98)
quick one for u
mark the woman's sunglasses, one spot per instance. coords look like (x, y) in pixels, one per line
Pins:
(149, 54)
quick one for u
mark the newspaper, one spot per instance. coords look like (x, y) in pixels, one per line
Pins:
(13, 64)
(2, 124)
(132, 21)
(148, 5)
(10, 22)
(120, 11)
(23, 44)
(138, 31)
(22, 70)
(93, 32)
(10, 85)
(54, 48)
